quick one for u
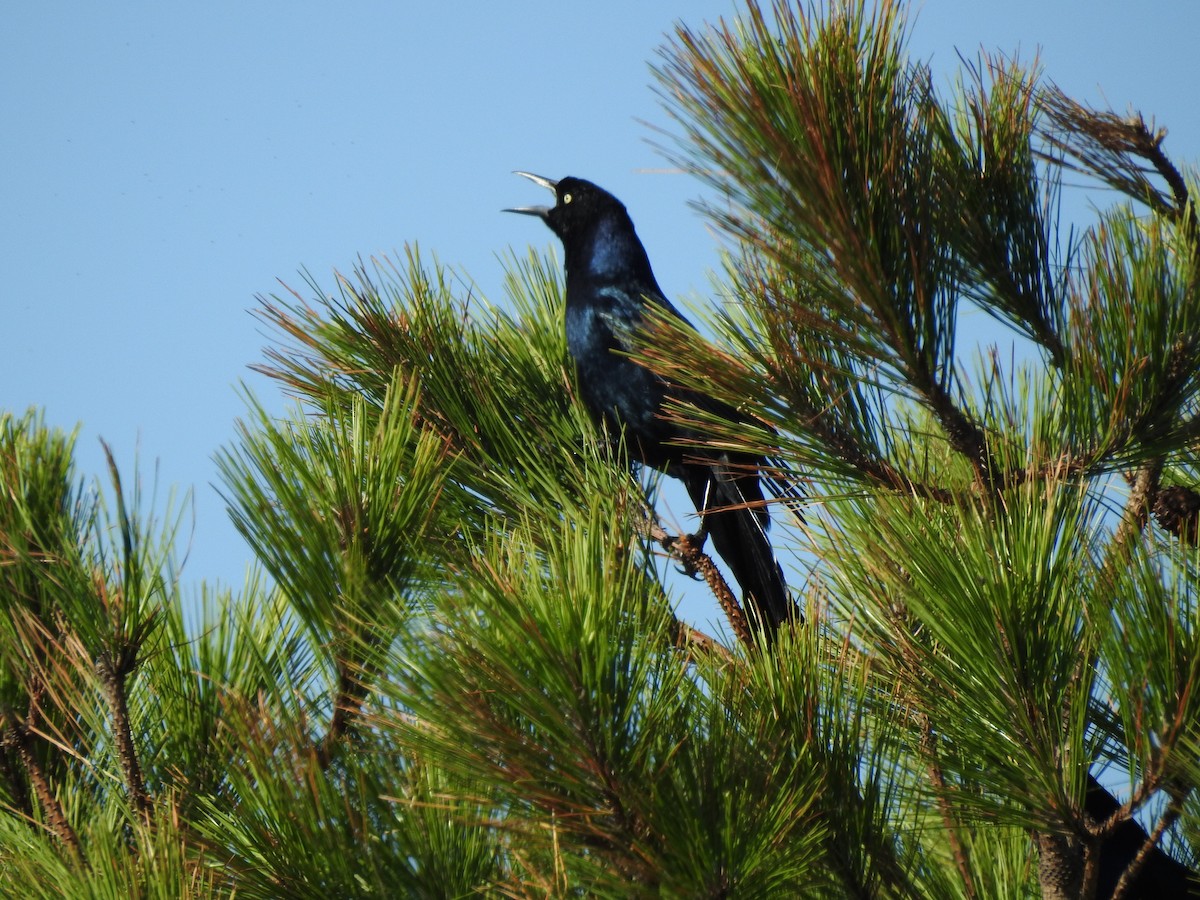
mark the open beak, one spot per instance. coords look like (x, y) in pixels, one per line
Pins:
(539, 211)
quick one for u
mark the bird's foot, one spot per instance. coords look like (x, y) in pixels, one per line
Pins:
(693, 544)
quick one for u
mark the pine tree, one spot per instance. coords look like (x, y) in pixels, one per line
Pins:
(456, 669)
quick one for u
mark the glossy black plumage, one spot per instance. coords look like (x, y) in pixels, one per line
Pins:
(610, 285)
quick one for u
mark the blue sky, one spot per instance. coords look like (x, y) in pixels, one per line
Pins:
(163, 163)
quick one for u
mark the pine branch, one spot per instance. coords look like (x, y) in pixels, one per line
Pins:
(688, 638)
(1149, 847)
(112, 677)
(17, 789)
(17, 739)
(938, 780)
(1141, 502)
(965, 435)
(1109, 147)
(350, 697)
(1158, 874)
(694, 560)
(869, 466)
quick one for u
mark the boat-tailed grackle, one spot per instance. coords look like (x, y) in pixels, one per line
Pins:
(610, 287)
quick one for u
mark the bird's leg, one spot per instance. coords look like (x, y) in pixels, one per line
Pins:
(700, 536)
(698, 539)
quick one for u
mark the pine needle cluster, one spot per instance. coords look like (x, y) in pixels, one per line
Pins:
(455, 670)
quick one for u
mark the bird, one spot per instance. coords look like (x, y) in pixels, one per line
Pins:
(610, 292)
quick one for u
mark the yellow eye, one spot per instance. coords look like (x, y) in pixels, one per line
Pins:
(566, 198)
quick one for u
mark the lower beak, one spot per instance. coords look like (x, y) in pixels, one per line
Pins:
(539, 211)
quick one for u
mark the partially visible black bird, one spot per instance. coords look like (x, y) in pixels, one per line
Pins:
(610, 285)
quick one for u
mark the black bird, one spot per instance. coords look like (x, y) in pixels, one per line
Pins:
(610, 287)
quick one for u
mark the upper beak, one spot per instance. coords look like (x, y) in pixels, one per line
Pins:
(539, 211)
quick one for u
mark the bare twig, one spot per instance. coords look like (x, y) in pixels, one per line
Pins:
(688, 639)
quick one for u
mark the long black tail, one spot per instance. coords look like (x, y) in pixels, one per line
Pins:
(731, 501)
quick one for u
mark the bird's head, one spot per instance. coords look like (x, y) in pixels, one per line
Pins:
(578, 206)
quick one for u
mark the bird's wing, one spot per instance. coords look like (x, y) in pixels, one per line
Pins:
(619, 328)
(621, 315)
